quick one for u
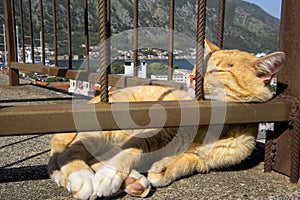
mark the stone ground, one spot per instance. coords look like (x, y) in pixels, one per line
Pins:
(23, 160)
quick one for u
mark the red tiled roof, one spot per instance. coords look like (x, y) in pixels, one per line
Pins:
(60, 85)
(56, 85)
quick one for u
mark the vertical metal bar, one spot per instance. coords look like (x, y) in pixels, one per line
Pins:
(102, 12)
(31, 31)
(86, 30)
(290, 43)
(4, 40)
(295, 157)
(221, 19)
(289, 75)
(11, 43)
(135, 37)
(268, 151)
(42, 38)
(108, 25)
(171, 39)
(69, 34)
(54, 31)
(22, 30)
(15, 29)
(200, 49)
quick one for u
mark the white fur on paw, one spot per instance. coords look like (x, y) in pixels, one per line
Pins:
(107, 181)
(139, 185)
(80, 184)
(58, 178)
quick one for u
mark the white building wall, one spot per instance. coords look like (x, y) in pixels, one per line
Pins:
(142, 69)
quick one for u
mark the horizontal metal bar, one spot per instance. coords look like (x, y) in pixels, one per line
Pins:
(114, 80)
(72, 118)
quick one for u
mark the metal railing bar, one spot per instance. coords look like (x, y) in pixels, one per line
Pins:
(135, 37)
(113, 79)
(171, 39)
(31, 31)
(200, 49)
(108, 26)
(104, 60)
(22, 30)
(11, 40)
(55, 31)
(63, 115)
(42, 32)
(69, 34)
(15, 26)
(221, 19)
(86, 32)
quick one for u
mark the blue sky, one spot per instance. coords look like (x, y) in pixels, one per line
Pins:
(272, 7)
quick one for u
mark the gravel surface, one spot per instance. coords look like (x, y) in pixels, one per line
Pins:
(23, 171)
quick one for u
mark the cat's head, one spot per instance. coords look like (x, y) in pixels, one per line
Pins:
(238, 76)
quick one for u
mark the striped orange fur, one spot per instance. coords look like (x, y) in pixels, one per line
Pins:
(92, 164)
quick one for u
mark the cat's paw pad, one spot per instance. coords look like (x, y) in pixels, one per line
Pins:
(108, 180)
(58, 177)
(136, 185)
(80, 184)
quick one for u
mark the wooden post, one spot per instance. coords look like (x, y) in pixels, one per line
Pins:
(11, 43)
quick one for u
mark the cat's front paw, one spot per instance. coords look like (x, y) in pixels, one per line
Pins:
(136, 184)
(58, 177)
(108, 180)
(160, 172)
(80, 184)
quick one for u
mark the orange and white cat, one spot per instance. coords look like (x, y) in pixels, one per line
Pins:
(91, 164)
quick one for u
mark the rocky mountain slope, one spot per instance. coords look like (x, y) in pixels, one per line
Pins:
(247, 27)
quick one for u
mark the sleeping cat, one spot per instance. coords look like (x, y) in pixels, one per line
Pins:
(91, 164)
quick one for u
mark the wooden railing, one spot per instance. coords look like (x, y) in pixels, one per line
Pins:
(284, 110)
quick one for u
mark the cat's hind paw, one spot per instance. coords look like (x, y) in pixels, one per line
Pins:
(136, 184)
(80, 184)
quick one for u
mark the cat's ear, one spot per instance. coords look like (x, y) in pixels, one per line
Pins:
(209, 47)
(268, 66)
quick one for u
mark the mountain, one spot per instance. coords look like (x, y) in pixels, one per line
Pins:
(247, 26)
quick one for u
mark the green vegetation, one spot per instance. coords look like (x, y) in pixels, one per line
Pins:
(56, 79)
(118, 68)
(158, 68)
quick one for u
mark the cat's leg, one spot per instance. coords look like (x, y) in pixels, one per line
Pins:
(110, 177)
(230, 151)
(171, 168)
(77, 174)
(59, 143)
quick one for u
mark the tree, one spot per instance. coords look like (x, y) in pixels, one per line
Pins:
(118, 68)
(156, 68)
